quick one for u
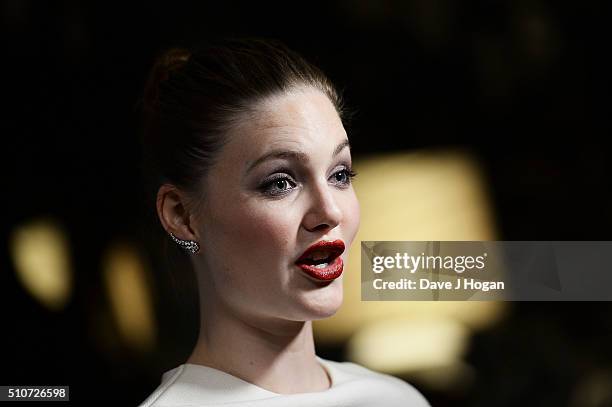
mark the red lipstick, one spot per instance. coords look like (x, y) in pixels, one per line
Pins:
(322, 260)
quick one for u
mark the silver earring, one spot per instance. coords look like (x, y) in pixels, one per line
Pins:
(189, 245)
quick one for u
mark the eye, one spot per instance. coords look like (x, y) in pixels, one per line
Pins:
(344, 176)
(278, 184)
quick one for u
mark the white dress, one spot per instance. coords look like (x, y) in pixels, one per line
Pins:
(352, 386)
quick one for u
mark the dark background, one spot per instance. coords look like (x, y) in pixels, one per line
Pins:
(525, 85)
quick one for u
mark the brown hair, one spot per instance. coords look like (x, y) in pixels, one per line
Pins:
(194, 96)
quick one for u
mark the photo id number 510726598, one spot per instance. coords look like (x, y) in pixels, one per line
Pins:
(34, 393)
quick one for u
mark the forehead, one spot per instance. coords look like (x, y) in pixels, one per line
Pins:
(303, 119)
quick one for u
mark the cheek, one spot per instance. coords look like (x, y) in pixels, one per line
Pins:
(247, 261)
(352, 217)
(256, 233)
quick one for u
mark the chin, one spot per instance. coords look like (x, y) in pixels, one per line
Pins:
(323, 302)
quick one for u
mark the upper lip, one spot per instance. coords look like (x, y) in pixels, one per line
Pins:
(333, 247)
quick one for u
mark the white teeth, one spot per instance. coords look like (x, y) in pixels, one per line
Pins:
(320, 266)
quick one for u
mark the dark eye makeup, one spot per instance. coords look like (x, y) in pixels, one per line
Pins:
(282, 182)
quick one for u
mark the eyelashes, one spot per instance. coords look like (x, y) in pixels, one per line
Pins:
(281, 184)
(348, 173)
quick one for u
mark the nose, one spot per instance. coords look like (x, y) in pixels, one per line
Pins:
(323, 213)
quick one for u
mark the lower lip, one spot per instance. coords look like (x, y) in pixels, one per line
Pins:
(331, 272)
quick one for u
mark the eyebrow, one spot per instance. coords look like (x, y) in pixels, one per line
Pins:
(291, 154)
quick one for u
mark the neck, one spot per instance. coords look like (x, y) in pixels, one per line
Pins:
(277, 355)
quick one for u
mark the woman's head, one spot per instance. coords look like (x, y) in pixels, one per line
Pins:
(251, 160)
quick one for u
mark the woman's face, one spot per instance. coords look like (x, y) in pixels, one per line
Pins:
(260, 215)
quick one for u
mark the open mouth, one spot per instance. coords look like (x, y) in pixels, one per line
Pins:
(322, 260)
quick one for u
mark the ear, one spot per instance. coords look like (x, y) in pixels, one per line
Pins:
(173, 212)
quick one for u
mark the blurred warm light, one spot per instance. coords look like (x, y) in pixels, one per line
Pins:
(593, 389)
(427, 350)
(423, 196)
(404, 345)
(126, 282)
(41, 256)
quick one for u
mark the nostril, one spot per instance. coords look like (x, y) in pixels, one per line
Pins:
(322, 226)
